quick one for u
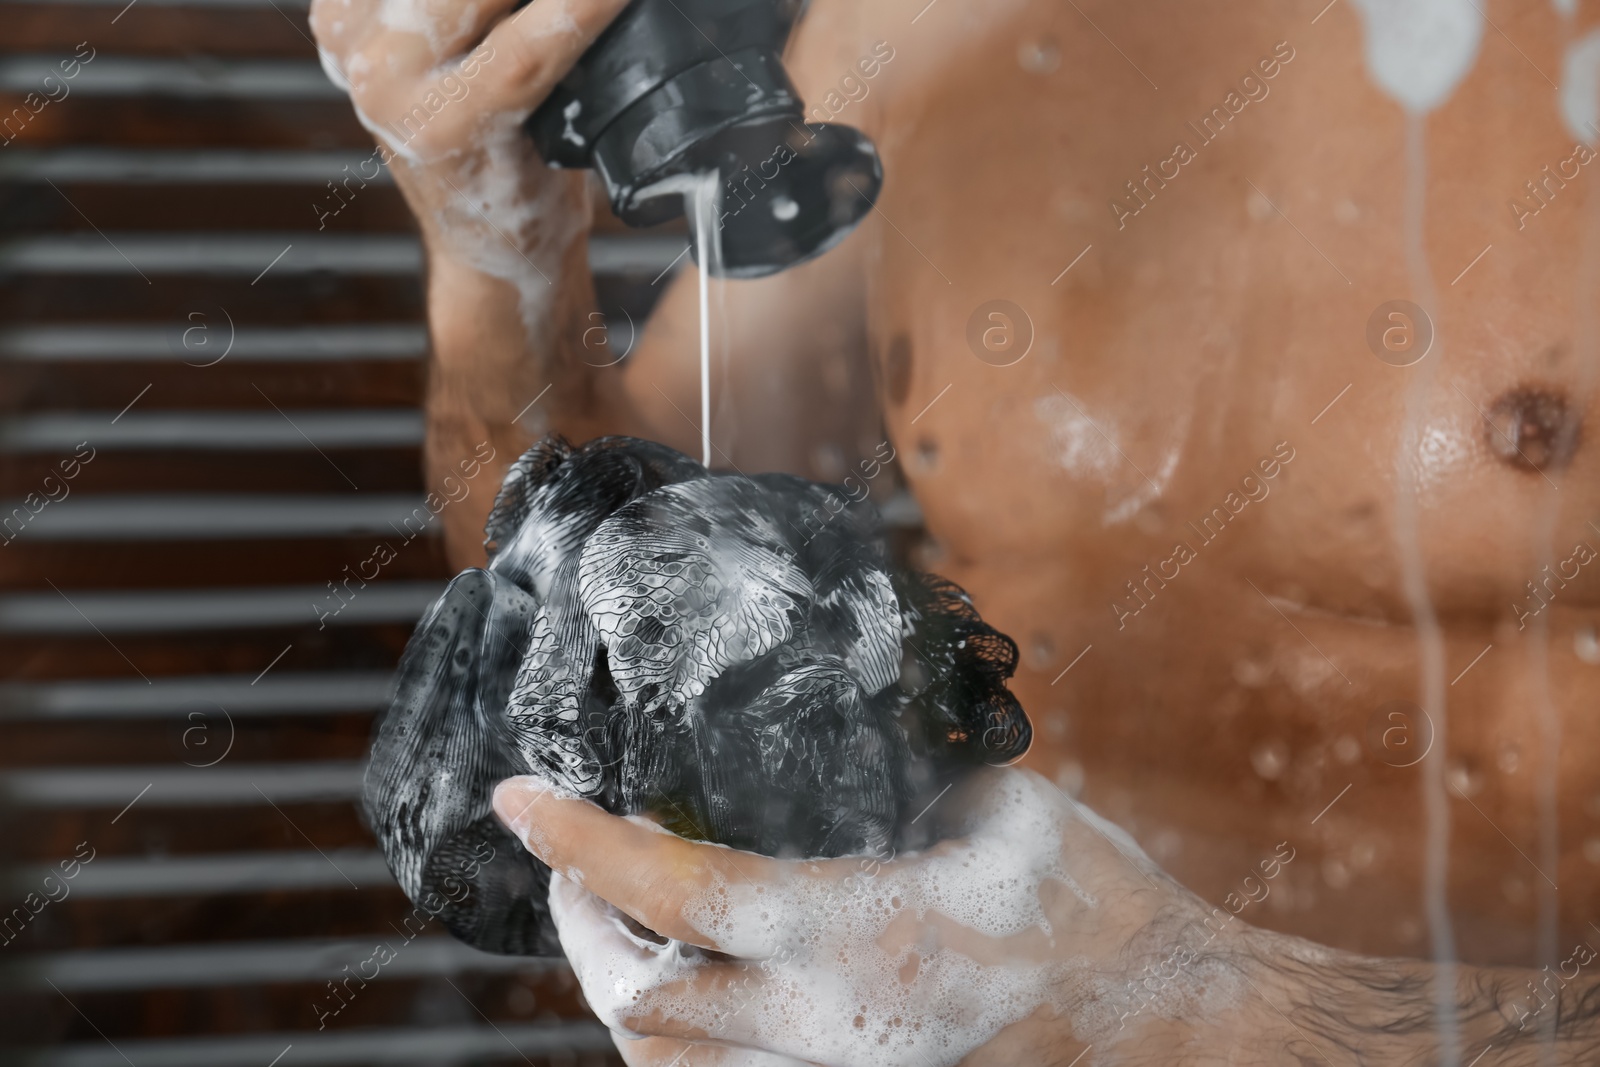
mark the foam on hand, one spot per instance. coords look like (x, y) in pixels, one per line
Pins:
(921, 964)
(514, 228)
(421, 18)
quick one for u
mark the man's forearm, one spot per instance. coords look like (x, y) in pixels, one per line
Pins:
(509, 292)
(508, 366)
(1362, 1010)
(1316, 1006)
(1201, 987)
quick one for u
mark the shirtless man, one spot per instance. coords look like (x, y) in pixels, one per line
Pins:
(1191, 500)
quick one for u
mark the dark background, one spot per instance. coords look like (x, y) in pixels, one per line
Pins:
(170, 701)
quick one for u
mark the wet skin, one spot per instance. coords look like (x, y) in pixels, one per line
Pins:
(1236, 703)
(1194, 344)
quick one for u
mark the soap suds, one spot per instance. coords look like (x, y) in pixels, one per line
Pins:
(1419, 50)
(1580, 88)
(350, 81)
(1081, 448)
(558, 19)
(499, 226)
(330, 67)
(414, 16)
(921, 962)
(1145, 493)
(1088, 448)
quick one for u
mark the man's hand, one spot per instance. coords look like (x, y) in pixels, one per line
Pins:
(444, 86)
(1036, 934)
(1016, 942)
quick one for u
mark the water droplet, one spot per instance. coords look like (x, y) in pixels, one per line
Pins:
(1269, 759)
(1070, 779)
(1586, 643)
(1259, 207)
(1591, 850)
(1165, 846)
(1509, 758)
(1055, 723)
(1042, 651)
(1039, 56)
(1347, 749)
(1464, 779)
(1362, 855)
(784, 208)
(1514, 888)
(828, 462)
(1335, 873)
(1252, 674)
(1408, 930)
(1346, 212)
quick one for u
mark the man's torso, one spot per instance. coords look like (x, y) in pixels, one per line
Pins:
(1181, 499)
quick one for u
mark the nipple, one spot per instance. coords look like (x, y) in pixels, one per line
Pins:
(1534, 429)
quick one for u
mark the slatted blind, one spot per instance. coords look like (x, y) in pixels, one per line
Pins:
(171, 705)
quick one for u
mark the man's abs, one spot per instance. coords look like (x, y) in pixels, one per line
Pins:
(1133, 316)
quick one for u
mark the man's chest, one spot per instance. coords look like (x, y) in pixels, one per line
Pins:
(1154, 404)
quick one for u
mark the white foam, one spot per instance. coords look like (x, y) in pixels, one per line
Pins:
(1580, 88)
(920, 964)
(1419, 50)
(1145, 492)
(500, 226)
(346, 80)
(330, 67)
(1084, 447)
(414, 16)
(557, 16)
(1087, 447)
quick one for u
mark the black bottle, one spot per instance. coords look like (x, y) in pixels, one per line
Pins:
(675, 88)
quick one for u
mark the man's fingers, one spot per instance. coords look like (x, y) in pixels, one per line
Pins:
(338, 25)
(641, 987)
(667, 1006)
(663, 1052)
(402, 41)
(648, 873)
(668, 1052)
(535, 47)
(458, 25)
